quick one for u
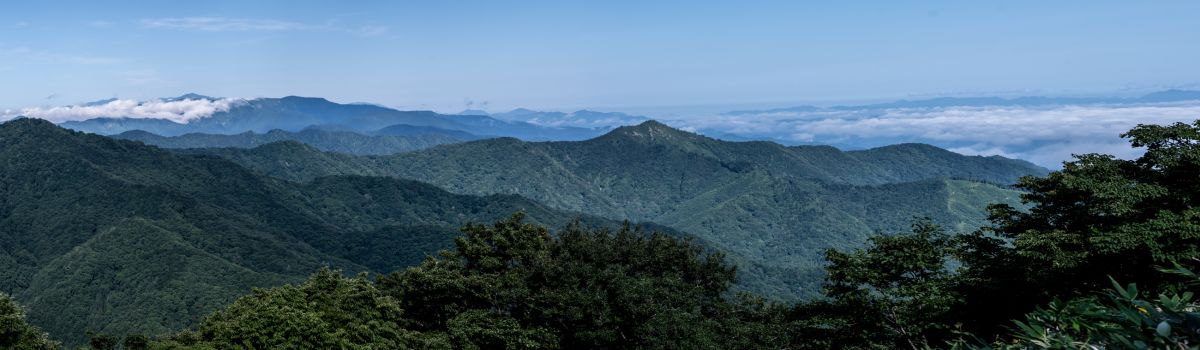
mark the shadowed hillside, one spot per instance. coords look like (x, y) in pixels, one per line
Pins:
(115, 236)
(779, 206)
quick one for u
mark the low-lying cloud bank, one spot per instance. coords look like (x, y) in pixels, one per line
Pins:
(177, 110)
(1043, 135)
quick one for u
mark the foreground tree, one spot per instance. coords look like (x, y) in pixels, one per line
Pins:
(1098, 219)
(896, 293)
(329, 311)
(1121, 317)
(15, 333)
(513, 285)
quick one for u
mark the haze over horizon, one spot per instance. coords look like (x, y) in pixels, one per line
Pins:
(614, 55)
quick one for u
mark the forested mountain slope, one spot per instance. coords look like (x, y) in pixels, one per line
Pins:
(326, 140)
(779, 206)
(115, 236)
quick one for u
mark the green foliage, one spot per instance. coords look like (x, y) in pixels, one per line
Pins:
(1097, 220)
(901, 283)
(16, 333)
(773, 209)
(481, 329)
(1122, 317)
(136, 342)
(119, 237)
(102, 341)
(327, 311)
(512, 285)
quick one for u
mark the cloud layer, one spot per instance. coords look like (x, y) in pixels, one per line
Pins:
(1043, 135)
(181, 111)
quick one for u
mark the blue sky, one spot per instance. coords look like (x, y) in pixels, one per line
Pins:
(603, 54)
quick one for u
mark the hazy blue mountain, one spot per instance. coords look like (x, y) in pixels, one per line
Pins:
(99, 102)
(1156, 97)
(294, 113)
(796, 109)
(1172, 95)
(113, 126)
(472, 112)
(189, 96)
(412, 130)
(580, 118)
(393, 139)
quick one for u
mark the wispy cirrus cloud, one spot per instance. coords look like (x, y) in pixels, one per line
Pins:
(225, 24)
(221, 24)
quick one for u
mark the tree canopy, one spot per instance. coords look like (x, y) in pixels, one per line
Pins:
(16, 333)
(512, 285)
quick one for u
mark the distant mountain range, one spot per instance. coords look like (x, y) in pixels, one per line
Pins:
(774, 208)
(389, 140)
(294, 113)
(1165, 96)
(580, 118)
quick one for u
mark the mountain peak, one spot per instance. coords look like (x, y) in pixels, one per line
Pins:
(294, 98)
(26, 125)
(1171, 95)
(652, 130)
(189, 96)
(473, 112)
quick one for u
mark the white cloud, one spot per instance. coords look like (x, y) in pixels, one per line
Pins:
(181, 111)
(1043, 135)
(220, 24)
(223, 24)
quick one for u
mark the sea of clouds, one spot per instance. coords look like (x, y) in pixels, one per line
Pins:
(1046, 136)
(181, 111)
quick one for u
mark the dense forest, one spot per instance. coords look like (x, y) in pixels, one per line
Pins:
(773, 208)
(1103, 258)
(1101, 254)
(394, 139)
(115, 236)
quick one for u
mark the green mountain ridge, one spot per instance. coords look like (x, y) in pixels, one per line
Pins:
(115, 236)
(325, 140)
(780, 207)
